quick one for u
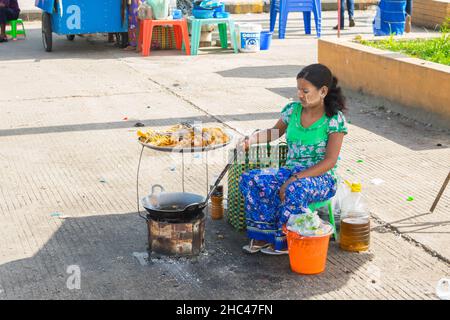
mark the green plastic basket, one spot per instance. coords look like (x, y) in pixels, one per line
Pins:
(258, 156)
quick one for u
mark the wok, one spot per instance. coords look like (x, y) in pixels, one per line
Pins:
(179, 205)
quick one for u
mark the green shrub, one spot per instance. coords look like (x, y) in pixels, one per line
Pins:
(434, 49)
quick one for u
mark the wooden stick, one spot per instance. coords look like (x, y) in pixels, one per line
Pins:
(438, 197)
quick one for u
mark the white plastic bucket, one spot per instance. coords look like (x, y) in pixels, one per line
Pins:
(248, 37)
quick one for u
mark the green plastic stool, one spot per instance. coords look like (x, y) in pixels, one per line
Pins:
(196, 27)
(317, 205)
(14, 32)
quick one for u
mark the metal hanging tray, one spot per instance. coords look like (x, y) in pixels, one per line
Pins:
(189, 149)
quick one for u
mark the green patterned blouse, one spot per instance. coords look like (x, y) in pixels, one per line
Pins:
(307, 146)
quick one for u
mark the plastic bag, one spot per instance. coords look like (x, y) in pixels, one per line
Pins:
(342, 192)
(210, 4)
(308, 224)
(160, 8)
(145, 11)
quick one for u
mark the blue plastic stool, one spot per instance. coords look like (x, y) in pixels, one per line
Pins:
(283, 7)
(316, 205)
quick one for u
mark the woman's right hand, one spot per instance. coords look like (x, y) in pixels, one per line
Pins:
(244, 143)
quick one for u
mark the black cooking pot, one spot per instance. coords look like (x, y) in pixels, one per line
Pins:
(179, 205)
(172, 205)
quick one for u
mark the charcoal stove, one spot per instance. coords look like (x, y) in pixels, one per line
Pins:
(176, 220)
(176, 237)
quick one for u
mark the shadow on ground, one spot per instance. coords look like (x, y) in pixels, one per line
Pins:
(263, 72)
(88, 47)
(102, 247)
(412, 225)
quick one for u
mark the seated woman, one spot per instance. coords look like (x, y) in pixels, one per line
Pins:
(9, 10)
(315, 128)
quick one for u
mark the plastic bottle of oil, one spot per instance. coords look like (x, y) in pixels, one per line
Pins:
(355, 222)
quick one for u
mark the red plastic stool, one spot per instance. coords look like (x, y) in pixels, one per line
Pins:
(180, 29)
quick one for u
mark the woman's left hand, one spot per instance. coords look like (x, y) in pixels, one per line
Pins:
(284, 186)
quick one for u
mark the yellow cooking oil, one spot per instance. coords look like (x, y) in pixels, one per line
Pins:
(355, 233)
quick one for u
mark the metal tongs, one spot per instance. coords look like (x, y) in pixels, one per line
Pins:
(201, 205)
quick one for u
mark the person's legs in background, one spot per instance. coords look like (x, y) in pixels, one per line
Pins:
(6, 14)
(110, 37)
(132, 24)
(408, 7)
(351, 11)
(342, 18)
(408, 11)
(2, 24)
(3, 32)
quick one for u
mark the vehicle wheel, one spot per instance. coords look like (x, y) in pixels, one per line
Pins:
(70, 37)
(47, 31)
(122, 39)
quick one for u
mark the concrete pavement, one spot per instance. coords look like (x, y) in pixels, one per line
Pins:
(68, 175)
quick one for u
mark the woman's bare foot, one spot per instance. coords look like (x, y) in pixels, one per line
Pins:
(255, 246)
(130, 48)
(259, 243)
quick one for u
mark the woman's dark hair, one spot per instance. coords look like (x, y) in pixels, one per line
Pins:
(319, 75)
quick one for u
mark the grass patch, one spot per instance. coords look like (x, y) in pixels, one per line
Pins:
(435, 49)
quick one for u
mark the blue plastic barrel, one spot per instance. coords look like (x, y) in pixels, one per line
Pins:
(266, 39)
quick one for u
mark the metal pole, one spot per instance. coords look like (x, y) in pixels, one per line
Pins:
(207, 173)
(182, 169)
(207, 181)
(339, 18)
(438, 197)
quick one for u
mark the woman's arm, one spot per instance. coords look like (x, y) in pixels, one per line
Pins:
(331, 157)
(268, 135)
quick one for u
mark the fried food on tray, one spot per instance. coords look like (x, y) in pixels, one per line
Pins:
(184, 136)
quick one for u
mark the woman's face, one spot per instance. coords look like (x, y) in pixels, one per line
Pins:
(309, 95)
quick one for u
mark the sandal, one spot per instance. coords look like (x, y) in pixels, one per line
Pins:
(252, 248)
(3, 39)
(271, 251)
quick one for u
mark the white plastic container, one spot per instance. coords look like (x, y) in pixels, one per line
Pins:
(248, 37)
(443, 289)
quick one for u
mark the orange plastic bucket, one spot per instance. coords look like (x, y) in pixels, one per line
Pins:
(307, 255)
